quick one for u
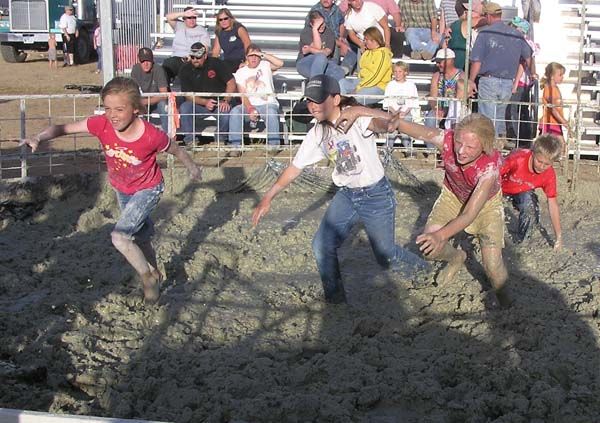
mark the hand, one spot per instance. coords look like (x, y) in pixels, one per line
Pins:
(305, 50)
(34, 143)
(558, 244)
(210, 104)
(344, 47)
(224, 106)
(317, 23)
(260, 210)
(400, 28)
(253, 115)
(67, 37)
(190, 13)
(347, 118)
(196, 173)
(431, 244)
(473, 87)
(535, 76)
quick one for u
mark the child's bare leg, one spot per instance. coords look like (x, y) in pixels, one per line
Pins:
(496, 272)
(136, 257)
(453, 256)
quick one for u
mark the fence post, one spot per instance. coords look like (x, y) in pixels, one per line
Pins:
(579, 112)
(24, 152)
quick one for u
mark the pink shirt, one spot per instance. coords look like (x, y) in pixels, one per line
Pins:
(132, 165)
(462, 181)
(389, 6)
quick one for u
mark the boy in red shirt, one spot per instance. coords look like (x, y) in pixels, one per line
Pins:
(525, 170)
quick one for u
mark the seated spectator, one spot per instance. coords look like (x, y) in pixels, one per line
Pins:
(390, 7)
(187, 33)
(256, 77)
(203, 74)
(152, 79)
(420, 20)
(375, 68)
(231, 37)
(443, 84)
(401, 96)
(362, 15)
(317, 44)
(459, 31)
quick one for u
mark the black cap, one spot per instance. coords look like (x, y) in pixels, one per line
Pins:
(145, 55)
(319, 87)
(197, 50)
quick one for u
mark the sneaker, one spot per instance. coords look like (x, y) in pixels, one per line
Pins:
(427, 55)
(416, 55)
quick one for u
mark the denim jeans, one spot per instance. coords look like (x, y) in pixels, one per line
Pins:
(420, 40)
(161, 109)
(494, 89)
(529, 213)
(349, 62)
(99, 62)
(348, 86)
(135, 222)
(268, 112)
(375, 207)
(188, 112)
(317, 64)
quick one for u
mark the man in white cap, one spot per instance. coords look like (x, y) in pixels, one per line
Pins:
(443, 85)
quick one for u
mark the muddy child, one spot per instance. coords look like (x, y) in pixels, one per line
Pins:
(130, 146)
(364, 192)
(525, 170)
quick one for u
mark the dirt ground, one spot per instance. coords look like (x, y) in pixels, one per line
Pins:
(241, 333)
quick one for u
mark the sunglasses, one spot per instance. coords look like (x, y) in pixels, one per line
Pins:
(226, 18)
(190, 17)
(196, 57)
(253, 54)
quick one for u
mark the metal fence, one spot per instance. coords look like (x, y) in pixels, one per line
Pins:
(23, 116)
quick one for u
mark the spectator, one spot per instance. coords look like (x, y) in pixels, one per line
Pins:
(390, 7)
(526, 76)
(459, 31)
(187, 33)
(151, 78)
(256, 78)
(98, 47)
(375, 68)
(52, 63)
(334, 20)
(495, 59)
(554, 119)
(317, 44)
(362, 15)
(401, 96)
(203, 74)
(448, 15)
(443, 84)
(68, 27)
(231, 37)
(420, 20)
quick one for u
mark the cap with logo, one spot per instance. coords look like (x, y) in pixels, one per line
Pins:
(145, 55)
(319, 87)
(197, 50)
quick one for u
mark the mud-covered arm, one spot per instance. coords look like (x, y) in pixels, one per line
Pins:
(285, 179)
(194, 170)
(55, 131)
(554, 212)
(430, 135)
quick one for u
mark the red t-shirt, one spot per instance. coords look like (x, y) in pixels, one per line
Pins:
(517, 178)
(131, 165)
(462, 182)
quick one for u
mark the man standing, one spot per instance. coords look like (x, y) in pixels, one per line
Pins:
(421, 22)
(152, 79)
(205, 74)
(68, 27)
(495, 59)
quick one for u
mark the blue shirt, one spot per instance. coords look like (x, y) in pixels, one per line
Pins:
(333, 18)
(499, 48)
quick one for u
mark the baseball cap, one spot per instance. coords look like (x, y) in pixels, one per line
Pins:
(491, 8)
(319, 87)
(69, 8)
(197, 50)
(145, 55)
(521, 24)
(443, 54)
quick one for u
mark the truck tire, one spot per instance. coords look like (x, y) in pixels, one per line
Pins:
(11, 54)
(83, 47)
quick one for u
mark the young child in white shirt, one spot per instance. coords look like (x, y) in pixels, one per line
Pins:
(401, 97)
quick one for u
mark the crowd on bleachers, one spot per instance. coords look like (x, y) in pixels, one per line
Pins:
(364, 44)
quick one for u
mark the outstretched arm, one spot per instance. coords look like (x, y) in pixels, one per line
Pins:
(194, 170)
(55, 131)
(286, 178)
(554, 212)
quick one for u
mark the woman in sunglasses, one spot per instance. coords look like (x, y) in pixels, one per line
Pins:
(232, 38)
(187, 32)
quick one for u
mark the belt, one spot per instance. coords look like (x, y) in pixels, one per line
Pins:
(359, 189)
(489, 75)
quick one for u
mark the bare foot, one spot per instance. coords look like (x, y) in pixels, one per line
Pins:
(151, 286)
(448, 273)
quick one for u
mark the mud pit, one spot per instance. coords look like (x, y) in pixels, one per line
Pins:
(241, 333)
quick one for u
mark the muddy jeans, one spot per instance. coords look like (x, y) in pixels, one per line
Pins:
(529, 213)
(134, 221)
(375, 207)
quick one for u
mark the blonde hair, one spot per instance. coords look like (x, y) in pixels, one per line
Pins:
(551, 68)
(373, 33)
(126, 86)
(547, 145)
(482, 127)
(402, 65)
(228, 13)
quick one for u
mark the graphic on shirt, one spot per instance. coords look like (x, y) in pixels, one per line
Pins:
(343, 154)
(255, 85)
(123, 156)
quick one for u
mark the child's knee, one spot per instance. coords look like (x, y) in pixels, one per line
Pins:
(119, 240)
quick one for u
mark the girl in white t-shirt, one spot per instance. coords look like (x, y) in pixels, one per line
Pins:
(401, 97)
(364, 192)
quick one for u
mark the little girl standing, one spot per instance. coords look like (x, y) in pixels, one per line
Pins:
(553, 119)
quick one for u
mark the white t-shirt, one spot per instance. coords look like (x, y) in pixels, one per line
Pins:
(68, 22)
(370, 14)
(354, 154)
(186, 36)
(403, 90)
(456, 112)
(257, 80)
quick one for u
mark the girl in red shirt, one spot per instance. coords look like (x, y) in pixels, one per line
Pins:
(130, 145)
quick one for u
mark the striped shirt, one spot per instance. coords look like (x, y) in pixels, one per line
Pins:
(417, 13)
(449, 11)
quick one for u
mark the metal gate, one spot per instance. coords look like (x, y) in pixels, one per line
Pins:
(134, 21)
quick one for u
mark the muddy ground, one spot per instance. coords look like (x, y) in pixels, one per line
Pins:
(241, 333)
